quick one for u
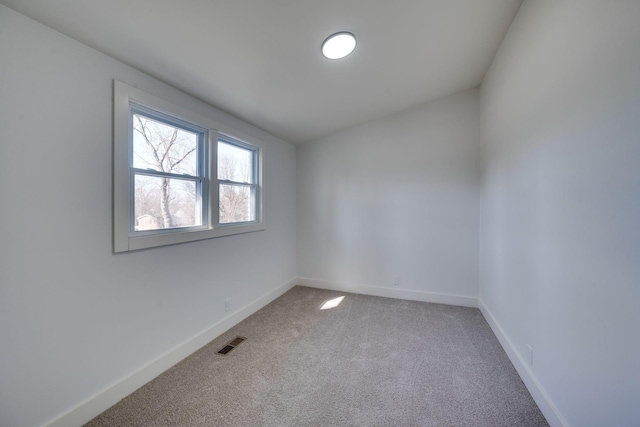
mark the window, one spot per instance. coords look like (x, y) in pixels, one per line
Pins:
(169, 182)
(179, 177)
(237, 178)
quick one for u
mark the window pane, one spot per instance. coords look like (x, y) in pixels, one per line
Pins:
(163, 147)
(236, 204)
(235, 163)
(165, 203)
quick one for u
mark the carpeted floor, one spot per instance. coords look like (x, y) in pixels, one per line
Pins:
(370, 361)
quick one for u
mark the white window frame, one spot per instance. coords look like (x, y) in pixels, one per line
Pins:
(201, 177)
(254, 185)
(125, 238)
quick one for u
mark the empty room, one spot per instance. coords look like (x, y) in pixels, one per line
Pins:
(320, 213)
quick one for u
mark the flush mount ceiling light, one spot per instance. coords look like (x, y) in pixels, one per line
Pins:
(338, 45)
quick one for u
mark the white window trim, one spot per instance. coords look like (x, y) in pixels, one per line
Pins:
(226, 139)
(123, 239)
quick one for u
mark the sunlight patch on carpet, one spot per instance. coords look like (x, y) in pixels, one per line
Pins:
(332, 303)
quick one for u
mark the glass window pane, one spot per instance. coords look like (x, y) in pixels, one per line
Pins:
(236, 204)
(163, 147)
(165, 203)
(235, 163)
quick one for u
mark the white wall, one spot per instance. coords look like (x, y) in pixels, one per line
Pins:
(560, 241)
(396, 196)
(74, 317)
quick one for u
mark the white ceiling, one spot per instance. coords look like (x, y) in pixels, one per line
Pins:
(260, 60)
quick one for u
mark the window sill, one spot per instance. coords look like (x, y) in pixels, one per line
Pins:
(173, 238)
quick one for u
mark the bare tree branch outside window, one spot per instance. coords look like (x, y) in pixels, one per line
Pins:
(164, 148)
(235, 164)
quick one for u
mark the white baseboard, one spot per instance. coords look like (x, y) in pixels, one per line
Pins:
(106, 398)
(542, 399)
(406, 294)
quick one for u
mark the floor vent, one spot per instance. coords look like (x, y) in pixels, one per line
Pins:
(233, 344)
(237, 341)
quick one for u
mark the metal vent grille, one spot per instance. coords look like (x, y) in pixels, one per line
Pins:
(233, 344)
(226, 349)
(237, 341)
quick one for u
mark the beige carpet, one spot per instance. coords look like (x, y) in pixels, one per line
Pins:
(370, 361)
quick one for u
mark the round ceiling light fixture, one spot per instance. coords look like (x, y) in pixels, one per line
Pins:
(338, 45)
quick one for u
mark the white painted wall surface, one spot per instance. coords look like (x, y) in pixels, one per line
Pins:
(560, 240)
(394, 197)
(74, 317)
